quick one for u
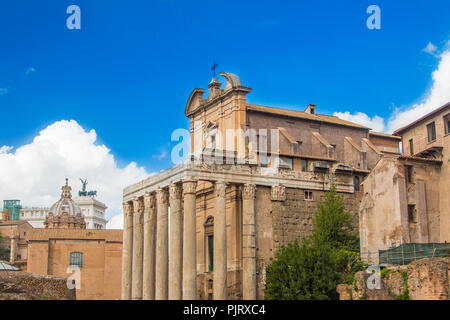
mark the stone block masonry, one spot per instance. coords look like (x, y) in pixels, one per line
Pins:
(17, 285)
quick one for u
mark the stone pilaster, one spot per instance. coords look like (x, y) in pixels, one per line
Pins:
(176, 242)
(189, 241)
(149, 246)
(220, 242)
(127, 250)
(138, 248)
(249, 243)
(162, 249)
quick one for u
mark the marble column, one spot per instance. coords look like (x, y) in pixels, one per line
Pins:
(138, 248)
(162, 248)
(220, 242)
(127, 250)
(176, 242)
(249, 243)
(148, 287)
(189, 241)
(12, 253)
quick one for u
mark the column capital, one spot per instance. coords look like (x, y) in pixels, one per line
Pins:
(138, 205)
(220, 188)
(175, 191)
(127, 208)
(249, 191)
(162, 196)
(149, 200)
(278, 192)
(189, 186)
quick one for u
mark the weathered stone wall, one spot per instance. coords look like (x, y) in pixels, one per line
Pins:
(293, 219)
(18, 285)
(425, 279)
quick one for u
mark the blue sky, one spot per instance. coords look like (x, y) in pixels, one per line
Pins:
(128, 72)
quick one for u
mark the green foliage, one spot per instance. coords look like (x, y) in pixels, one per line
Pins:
(311, 271)
(4, 251)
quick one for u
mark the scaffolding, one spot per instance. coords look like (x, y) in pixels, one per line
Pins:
(13, 206)
(409, 252)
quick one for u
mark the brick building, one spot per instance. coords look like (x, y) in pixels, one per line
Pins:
(406, 197)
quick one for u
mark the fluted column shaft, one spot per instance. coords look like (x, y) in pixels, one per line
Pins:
(176, 243)
(138, 248)
(189, 241)
(220, 243)
(162, 249)
(148, 287)
(249, 243)
(127, 250)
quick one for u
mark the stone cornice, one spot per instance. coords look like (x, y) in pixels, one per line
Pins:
(237, 174)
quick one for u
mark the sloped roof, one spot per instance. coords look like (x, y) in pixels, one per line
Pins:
(304, 115)
(42, 234)
(384, 135)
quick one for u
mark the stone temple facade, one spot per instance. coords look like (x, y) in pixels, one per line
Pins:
(65, 213)
(251, 184)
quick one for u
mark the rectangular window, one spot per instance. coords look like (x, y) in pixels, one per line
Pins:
(299, 147)
(76, 259)
(357, 183)
(447, 124)
(308, 195)
(412, 213)
(409, 174)
(304, 165)
(431, 129)
(289, 163)
(211, 252)
(263, 159)
(411, 147)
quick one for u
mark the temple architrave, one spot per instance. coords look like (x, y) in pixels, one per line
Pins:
(251, 184)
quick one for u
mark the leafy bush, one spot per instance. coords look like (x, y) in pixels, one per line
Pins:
(311, 271)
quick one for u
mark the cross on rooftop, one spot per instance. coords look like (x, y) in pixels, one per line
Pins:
(214, 67)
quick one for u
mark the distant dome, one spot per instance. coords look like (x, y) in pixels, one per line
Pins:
(65, 213)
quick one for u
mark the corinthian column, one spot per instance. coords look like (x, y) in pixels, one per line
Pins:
(138, 248)
(220, 243)
(127, 250)
(249, 243)
(149, 246)
(176, 242)
(162, 249)
(189, 242)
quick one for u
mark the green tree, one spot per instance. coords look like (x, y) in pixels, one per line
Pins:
(330, 256)
(4, 251)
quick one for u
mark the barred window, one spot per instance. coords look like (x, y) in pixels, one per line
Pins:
(76, 259)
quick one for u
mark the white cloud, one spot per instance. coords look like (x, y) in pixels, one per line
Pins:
(376, 123)
(35, 172)
(430, 48)
(438, 95)
(161, 155)
(5, 149)
(115, 222)
(30, 70)
(435, 97)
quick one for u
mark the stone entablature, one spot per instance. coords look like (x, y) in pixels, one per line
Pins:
(240, 174)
